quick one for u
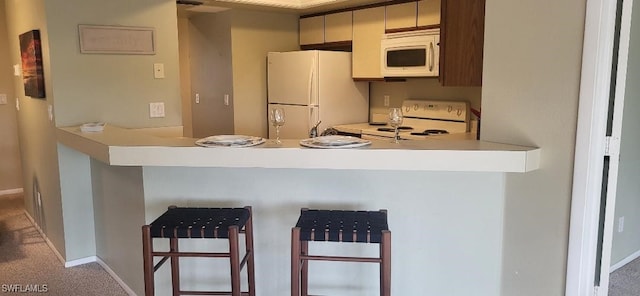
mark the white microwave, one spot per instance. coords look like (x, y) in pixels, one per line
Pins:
(410, 54)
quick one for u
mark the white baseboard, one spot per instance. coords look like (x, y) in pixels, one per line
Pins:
(80, 261)
(46, 239)
(115, 277)
(624, 261)
(11, 191)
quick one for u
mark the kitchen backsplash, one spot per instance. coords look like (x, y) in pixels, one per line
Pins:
(418, 88)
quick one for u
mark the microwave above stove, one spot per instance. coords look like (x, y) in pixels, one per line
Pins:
(410, 54)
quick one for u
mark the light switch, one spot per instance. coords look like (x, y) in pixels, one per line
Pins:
(156, 110)
(226, 100)
(50, 111)
(16, 70)
(158, 70)
(3, 99)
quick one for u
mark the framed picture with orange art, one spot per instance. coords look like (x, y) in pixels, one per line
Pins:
(32, 69)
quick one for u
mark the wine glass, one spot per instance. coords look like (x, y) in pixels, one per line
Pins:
(276, 116)
(395, 120)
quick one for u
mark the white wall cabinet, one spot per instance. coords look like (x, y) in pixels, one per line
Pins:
(428, 13)
(401, 16)
(312, 30)
(368, 28)
(337, 27)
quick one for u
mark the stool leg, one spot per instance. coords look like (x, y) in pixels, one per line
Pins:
(385, 265)
(295, 261)
(147, 259)
(175, 266)
(234, 257)
(248, 232)
(304, 278)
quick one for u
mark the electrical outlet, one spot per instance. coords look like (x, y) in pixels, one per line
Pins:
(3, 99)
(621, 224)
(386, 100)
(197, 98)
(158, 70)
(156, 110)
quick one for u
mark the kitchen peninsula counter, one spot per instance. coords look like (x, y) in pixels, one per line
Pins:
(127, 147)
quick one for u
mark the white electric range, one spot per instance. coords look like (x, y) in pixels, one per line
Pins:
(423, 119)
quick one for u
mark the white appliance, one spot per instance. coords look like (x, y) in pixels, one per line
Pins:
(422, 120)
(410, 54)
(314, 86)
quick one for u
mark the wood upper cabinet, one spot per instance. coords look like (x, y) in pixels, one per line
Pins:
(337, 27)
(461, 42)
(312, 30)
(428, 13)
(368, 28)
(400, 16)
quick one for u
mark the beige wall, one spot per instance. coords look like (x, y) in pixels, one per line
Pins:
(225, 53)
(424, 88)
(37, 134)
(532, 62)
(110, 87)
(185, 75)
(253, 34)
(210, 73)
(10, 169)
(88, 87)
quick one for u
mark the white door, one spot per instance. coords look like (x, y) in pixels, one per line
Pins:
(292, 77)
(298, 121)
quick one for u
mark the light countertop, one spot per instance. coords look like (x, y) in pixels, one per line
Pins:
(125, 147)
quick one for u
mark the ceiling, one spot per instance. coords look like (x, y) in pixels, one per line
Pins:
(299, 7)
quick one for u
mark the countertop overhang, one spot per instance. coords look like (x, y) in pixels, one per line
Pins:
(126, 147)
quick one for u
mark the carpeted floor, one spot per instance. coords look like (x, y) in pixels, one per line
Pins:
(29, 266)
(625, 281)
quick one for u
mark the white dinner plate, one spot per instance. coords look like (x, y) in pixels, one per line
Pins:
(334, 142)
(230, 141)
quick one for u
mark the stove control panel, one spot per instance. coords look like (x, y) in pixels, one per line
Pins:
(439, 110)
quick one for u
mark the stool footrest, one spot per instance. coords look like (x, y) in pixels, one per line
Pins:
(341, 258)
(191, 254)
(210, 293)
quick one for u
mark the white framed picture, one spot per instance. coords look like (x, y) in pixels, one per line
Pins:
(116, 39)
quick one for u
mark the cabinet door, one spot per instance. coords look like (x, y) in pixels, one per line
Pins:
(338, 27)
(312, 30)
(428, 12)
(401, 16)
(461, 42)
(368, 28)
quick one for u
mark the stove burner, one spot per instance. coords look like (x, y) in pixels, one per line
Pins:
(390, 129)
(431, 132)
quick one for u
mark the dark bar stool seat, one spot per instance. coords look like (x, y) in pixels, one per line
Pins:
(200, 223)
(339, 226)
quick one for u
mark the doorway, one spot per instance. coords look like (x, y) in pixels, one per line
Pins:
(603, 171)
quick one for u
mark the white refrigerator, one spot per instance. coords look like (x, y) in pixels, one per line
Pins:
(314, 86)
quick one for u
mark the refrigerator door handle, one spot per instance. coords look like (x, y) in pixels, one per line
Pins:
(310, 84)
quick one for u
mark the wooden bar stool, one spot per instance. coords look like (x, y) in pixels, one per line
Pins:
(339, 226)
(200, 223)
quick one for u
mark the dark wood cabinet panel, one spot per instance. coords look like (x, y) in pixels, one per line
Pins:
(461, 42)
